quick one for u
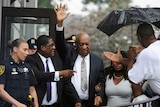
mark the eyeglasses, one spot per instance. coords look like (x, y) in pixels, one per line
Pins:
(50, 45)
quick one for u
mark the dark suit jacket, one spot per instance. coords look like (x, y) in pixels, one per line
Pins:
(68, 54)
(64, 86)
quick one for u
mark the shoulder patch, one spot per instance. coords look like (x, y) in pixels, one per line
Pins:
(2, 68)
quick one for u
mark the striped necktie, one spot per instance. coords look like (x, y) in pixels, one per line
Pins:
(83, 75)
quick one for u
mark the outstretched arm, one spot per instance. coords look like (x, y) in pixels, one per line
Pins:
(61, 14)
(137, 89)
(132, 53)
(116, 57)
(60, 42)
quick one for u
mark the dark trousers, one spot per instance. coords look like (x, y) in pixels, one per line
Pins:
(85, 103)
(6, 104)
(149, 92)
(53, 105)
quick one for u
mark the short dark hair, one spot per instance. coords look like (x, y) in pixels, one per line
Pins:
(124, 69)
(145, 30)
(42, 40)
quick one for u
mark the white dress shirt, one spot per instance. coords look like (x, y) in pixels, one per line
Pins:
(54, 95)
(76, 79)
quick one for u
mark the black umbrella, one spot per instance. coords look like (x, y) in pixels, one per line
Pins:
(119, 18)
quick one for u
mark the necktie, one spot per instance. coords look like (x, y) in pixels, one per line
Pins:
(83, 75)
(48, 83)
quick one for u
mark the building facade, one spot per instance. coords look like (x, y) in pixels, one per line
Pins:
(22, 19)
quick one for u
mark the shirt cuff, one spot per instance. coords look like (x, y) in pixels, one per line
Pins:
(59, 28)
(56, 76)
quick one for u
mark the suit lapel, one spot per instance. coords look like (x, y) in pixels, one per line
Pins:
(73, 58)
(91, 68)
(39, 62)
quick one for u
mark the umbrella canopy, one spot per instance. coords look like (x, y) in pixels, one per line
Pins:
(119, 18)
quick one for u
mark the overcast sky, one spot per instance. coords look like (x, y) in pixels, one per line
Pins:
(75, 6)
(145, 3)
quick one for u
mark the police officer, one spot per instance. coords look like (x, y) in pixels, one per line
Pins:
(71, 40)
(32, 46)
(16, 78)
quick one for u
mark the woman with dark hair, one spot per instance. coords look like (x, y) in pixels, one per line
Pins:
(17, 80)
(117, 68)
(118, 88)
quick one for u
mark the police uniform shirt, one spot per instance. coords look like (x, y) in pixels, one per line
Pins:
(17, 78)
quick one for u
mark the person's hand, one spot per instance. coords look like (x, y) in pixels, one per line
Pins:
(97, 101)
(137, 48)
(132, 53)
(114, 57)
(66, 73)
(60, 13)
(20, 105)
(78, 105)
(98, 87)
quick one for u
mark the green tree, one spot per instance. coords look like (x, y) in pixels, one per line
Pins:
(99, 41)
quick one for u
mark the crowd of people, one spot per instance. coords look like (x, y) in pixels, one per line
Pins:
(37, 75)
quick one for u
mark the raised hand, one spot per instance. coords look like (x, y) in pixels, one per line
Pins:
(60, 13)
(132, 53)
(113, 57)
(137, 48)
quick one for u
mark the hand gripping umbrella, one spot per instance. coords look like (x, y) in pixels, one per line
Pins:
(119, 18)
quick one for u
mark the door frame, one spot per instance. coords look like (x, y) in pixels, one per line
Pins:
(22, 12)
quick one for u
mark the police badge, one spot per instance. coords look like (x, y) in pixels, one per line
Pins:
(2, 68)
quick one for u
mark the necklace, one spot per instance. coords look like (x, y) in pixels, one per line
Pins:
(120, 77)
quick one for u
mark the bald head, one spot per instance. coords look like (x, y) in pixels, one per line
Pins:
(82, 36)
(83, 44)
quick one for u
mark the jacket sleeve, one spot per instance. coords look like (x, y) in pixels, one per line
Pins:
(61, 45)
(70, 92)
(101, 80)
(40, 74)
